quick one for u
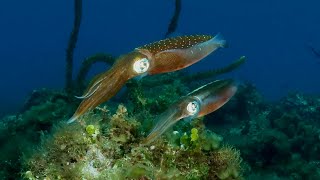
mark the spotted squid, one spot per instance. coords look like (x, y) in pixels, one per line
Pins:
(163, 56)
(200, 102)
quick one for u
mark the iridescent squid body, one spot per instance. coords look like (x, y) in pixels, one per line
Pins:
(198, 103)
(159, 57)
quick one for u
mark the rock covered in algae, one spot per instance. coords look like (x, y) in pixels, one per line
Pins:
(116, 153)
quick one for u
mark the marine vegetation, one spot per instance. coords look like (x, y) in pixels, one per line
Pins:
(108, 147)
(163, 56)
(277, 140)
(20, 133)
(248, 138)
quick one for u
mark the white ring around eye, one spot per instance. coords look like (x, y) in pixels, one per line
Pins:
(141, 65)
(193, 108)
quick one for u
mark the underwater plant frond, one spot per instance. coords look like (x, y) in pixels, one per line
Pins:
(72, 44)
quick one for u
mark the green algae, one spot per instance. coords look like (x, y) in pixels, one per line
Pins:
(117, 153)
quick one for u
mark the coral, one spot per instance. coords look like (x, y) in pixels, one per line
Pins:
(175, 18)
(72, 44)
(314, 50)
(78, 85)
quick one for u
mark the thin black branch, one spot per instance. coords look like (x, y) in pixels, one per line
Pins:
(175, 18)
(72, 44)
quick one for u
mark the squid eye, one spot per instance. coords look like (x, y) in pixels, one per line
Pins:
(141, 66)
(193, 107)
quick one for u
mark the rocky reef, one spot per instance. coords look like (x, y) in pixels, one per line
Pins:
(248, 138)
(108, 146)
(279, 140)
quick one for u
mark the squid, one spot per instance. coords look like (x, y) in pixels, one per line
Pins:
(200, 102)
(163, 56)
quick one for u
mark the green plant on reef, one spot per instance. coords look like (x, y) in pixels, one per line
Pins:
(116, 153)
(194, 134)
(90, 129)
(191, 141)
(204, 140)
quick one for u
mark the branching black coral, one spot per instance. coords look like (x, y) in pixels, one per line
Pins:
(175, 18)
(72, 44)
(215, 72)
(88, 62)
(315, 51)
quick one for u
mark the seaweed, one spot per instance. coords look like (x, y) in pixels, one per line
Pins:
(115, 153)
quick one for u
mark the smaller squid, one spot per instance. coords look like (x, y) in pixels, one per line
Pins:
(167, 55)
(200, 102)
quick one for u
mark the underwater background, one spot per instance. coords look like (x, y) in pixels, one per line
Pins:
(272, 122)
(274, 35)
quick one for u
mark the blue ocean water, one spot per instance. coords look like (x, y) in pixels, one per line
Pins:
(274, 35)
